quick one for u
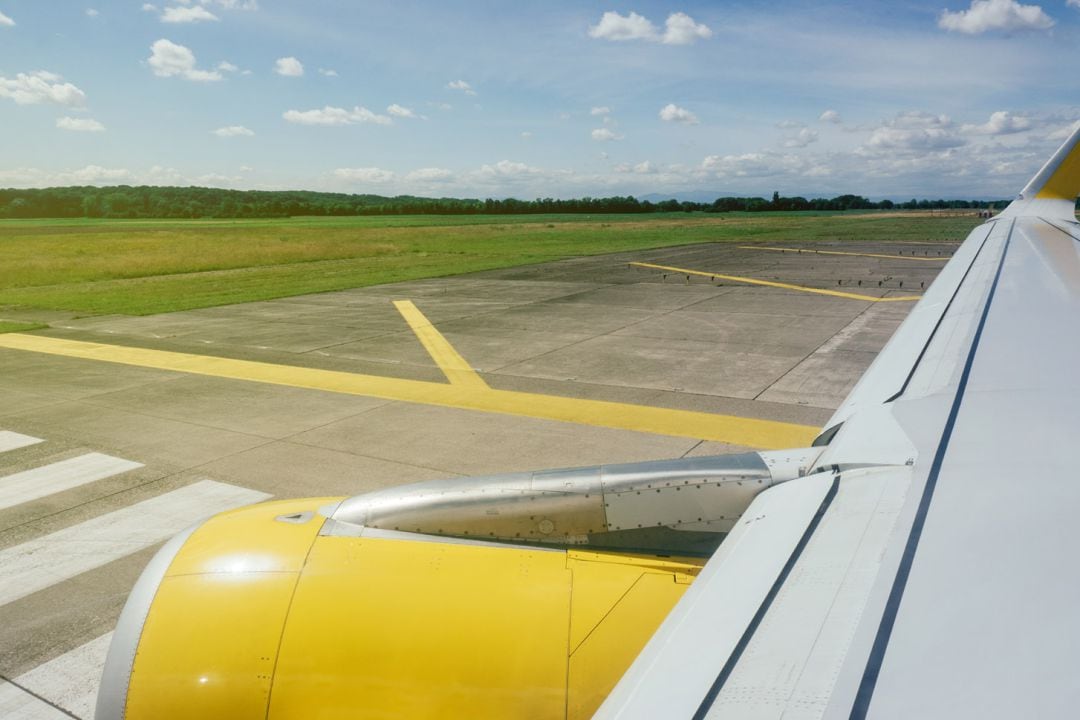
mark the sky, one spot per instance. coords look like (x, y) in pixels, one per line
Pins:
(883, 98)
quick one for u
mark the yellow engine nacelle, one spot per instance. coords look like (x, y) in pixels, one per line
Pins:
(263, 613)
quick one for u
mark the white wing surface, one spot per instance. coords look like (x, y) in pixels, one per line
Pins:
(926, 569)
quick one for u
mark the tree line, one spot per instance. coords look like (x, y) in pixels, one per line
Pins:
(200, 202)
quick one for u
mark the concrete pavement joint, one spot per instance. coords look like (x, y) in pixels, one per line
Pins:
(811, 353)
(41, 698)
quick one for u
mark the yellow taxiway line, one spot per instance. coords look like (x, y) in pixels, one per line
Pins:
(751, 432)
(839, 252)
(456, 368)
(785, 286)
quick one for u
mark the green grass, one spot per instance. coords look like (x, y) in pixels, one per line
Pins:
(140, 267)
(7, 326)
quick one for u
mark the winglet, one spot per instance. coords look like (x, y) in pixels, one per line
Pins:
(1054, 189)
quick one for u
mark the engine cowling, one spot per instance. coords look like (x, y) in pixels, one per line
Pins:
(266, 612)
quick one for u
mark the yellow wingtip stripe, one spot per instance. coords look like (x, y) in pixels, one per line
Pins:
(1064, 184)
(1059, 179)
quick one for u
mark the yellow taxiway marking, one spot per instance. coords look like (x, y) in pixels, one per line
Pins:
(770, 283)
(751, 432)
(839, 252)
(456, 369)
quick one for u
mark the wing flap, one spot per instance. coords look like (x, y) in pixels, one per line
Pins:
(791, 664)
(703, 635)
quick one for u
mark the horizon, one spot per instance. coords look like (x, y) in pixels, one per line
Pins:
(963, 101)
(693, 196)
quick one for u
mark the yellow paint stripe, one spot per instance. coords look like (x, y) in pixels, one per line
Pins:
(785, 286)
(750, 432)
(455, 367)
(839, 252)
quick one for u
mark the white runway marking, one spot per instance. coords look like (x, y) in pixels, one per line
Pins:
(18, 705)
(13, 440)
(70, 681)
(35, 565)
(57, 477)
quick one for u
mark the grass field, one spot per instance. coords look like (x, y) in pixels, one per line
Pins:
(140, 267)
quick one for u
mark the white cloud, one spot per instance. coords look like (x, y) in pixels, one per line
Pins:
(613, 26)
(233, 131)
(602, 110)
(226, 66)
(327, 72)
(364, 175)
(986, 15)
(91, 12)
(526, 135)
(1073, 3)
(193, 11)
(336, 116)
(1067, 131)
(682, 30)
(41, 86)
(641, 168)
(224, 4)
(79, 124)
(801, 139)
(605, 134)
(755, 165)
(289, 67)
(92, 174)
(228, 4)
(89, 175)
(506, 171)
(462, 86)
(167, 59)
(679, 29)
(217, 180)
(193, 14)
(163, 176)
(5, 21)
(429, 175)
(401, 112)
(673, 113)
(1000, 123)
(914, 132)
(830, 116)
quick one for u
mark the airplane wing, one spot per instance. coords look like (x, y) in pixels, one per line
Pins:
(925, 568)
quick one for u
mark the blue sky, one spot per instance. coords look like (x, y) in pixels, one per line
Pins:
(949, 98)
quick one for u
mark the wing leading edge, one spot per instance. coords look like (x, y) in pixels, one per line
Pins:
(935, 581)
